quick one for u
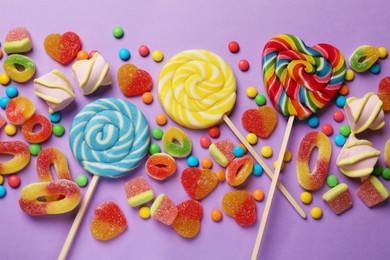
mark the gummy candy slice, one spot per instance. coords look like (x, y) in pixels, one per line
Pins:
(109, 221)
(138, 191)
(384, 93)
(164, 210)
(338, 198)
(222, 152)
(372, 192)
(187, 222)
(17, 41)
(198, 183)
(261, 121)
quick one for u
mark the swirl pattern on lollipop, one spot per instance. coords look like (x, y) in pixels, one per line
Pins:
(109, 137)
(300, 80)
(196, 88)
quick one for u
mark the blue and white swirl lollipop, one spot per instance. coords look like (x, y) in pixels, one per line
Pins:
(109, 137)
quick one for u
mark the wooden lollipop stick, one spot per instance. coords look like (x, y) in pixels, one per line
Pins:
(272, 188)
(79, 218)
(267, 170)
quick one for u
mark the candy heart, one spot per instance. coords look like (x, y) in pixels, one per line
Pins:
(384, 93)
(109, 221)
(187, 222)
(261, 121)
(241, 206)
(198, 183)
(133, 81)
(63, 48)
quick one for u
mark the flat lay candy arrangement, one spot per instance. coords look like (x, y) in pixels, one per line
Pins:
(188, 148)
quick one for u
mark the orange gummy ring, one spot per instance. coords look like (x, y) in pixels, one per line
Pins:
(36, 137)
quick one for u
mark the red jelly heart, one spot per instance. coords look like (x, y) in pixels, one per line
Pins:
(198, 183)
(133, 81)
(241, 206)
(261, 121)
(187, 222)
(63, 48)
(384, 93)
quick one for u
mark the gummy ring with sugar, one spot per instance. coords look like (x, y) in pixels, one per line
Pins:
(197, 88)
(300, 80)
(182, 149)
(109, 137)
(29, 197)
(363, 58)
(14, 62)
(239, 170)
(21, 158)
(313, 180)
(160, 166)
(36, 137)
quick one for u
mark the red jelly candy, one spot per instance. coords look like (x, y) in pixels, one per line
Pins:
(261, 121)
(160, 166)
(19, 109)
(63, 48)
(372, 192)
(241, 206)
(133, 81)
(198, 183)
(187, 222)
(384, 93)
(109, 221)
(239, 170)
(222, 152)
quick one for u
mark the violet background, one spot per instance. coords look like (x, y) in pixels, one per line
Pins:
(174, 26)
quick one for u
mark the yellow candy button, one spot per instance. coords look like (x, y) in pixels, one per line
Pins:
(251, 92)
(266, 151)
(4, 79)
(316, 213)
(350, 75)
(10, 129)
(276, 163)
(306, 197)
(287, 156)
(382, 52)
(157, 56)
(251, 138)
(144, 212)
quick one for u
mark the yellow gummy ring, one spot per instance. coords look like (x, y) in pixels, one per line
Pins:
(197, 88)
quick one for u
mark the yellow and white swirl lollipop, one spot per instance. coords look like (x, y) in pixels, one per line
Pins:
(197, 88)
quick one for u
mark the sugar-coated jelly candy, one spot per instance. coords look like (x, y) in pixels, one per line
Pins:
(315, 179)
(63, 48)
(138, 191)
(30, 202)
(363, 58)
(109, 221)
(261, 121)
(338, 198)
(187, 222)
(222, 152)
(19, 67)
(21, 153)
(372, 192)
(239, 170)
(133, 81)
(241, 206)
(160, 166)
(17, 41)
(42, 134)
(384, 93)
(164, 210)
(198, 183)
(173, 136)
(19, 109)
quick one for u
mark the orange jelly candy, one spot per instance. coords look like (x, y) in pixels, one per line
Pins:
(37, 137)
(261, 121)
(63, 48)
(384, 93)
(19, 109)
(109, 221)
(133, 81)
(198, 183)
(241, 206)
(187, 222)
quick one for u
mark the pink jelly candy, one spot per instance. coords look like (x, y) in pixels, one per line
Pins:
(164, 210)
(138, 191)
(372, 192)
(338, 198)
